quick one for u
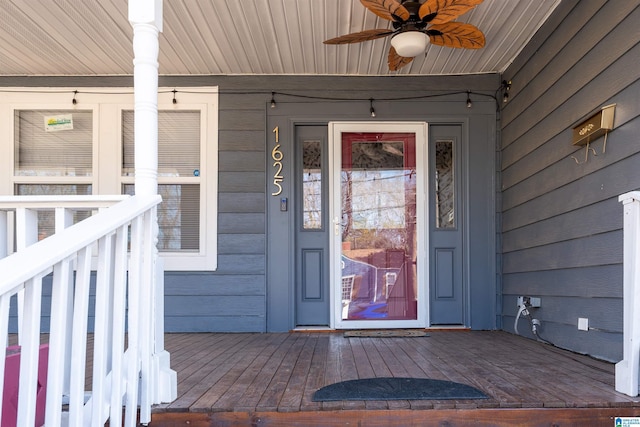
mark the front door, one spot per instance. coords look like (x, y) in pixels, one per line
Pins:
(378, 261)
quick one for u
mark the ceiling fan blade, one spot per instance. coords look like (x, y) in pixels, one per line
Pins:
(445, 10)
(456, 34)
(361, 36)
(396, 61)
(386, 9)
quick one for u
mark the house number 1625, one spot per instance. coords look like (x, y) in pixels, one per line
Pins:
(277, 156)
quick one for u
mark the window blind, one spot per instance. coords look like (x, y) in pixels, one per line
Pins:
(53, 143)
(178, 143)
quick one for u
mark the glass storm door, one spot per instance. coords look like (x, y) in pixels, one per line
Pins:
(377, 227)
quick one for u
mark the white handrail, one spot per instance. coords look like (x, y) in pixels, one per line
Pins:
(66, 201)
(628, 369)
(50, 251)
(116, 369)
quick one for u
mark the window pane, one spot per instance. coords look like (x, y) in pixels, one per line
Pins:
(178, 143)
(312, 185)
(445, 185)
(46, 218)
(178, 216)
(53, 142)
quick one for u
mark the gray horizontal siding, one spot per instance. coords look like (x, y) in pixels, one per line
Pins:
(241, 243)
(574, 70)
(240, 140)
(592, 219)
(601, 281)
(215, 323)
(241, 119)
(599, 249)
(599, 344)
(198, 283)
(241, 161)
(554, 157)
(241, 223)
(561, 310)
(218, 305)
(239, 182)
(608, 182)
(561, 221)
(241, 202)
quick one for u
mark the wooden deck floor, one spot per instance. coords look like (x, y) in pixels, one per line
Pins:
(269, 379)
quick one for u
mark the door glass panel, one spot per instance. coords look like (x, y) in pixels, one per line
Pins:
(312, 185)
(445, 185)
(378, 199)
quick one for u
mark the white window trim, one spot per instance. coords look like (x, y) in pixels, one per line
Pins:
(107, 105)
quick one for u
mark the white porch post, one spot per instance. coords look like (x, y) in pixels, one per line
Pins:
(146, 18)
(628, 369)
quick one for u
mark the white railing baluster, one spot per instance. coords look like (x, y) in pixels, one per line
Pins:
(4, 234)
(118, 374)
(119, 310)
(26, 234)
(4, 327)
(133, 313)
(58, 338)
(26, 227)
(146, 298)
(29, 352)
(166, 379)
(63, 219)
(103, 285)
(79, 337)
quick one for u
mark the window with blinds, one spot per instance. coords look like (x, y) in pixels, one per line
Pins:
(178, 176)
(49, 146)
(52, 147)
(178, 143)
(53, 143)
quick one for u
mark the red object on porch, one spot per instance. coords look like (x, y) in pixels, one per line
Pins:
(12, 381)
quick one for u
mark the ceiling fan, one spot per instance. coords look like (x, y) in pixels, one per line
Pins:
(415, 24)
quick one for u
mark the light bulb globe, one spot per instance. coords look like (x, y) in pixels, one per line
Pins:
(410, 43)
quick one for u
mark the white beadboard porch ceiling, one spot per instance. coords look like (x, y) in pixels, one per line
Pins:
(235, 37)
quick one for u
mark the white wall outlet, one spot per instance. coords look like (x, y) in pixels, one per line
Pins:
(583, 324)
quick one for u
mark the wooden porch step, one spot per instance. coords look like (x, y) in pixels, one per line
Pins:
(583, 417)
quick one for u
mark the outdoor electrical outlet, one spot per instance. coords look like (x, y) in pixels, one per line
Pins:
(583, 324)
(533, 302)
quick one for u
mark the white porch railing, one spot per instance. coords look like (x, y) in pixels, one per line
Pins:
(628, 369)
(128, 293)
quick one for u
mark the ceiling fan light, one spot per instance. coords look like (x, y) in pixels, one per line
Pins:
(410, 43)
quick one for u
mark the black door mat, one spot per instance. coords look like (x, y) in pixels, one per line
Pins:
(385, 333)
(390, 388)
